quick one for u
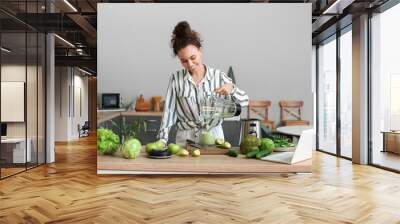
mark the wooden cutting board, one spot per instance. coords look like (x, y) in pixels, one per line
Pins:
(214, 150)
(210, 150)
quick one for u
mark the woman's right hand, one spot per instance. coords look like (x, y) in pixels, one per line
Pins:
(225, 89)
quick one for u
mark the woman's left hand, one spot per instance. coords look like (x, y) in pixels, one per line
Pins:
(225, 89)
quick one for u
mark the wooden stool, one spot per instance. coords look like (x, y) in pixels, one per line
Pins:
(291, 113)
(259, 108)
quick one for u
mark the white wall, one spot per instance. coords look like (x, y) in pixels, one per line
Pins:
(61, 103)
(67, 80)
(268, 45)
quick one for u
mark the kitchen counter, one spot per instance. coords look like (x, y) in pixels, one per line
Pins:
(204, 164)
(106, 115)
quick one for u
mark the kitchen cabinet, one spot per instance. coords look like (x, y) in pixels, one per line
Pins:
(149, 133)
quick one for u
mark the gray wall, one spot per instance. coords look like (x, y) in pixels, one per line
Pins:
(268, 45)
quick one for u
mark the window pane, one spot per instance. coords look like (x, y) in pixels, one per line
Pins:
(385, 82)
(327, 96)
(346, 94)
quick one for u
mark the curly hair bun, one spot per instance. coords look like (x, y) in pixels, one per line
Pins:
(182, 30)
(183, 36)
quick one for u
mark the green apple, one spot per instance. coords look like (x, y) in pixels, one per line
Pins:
(160, 145)
(174, 148)
(150, 147)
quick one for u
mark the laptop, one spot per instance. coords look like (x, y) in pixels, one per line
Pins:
(302, 152)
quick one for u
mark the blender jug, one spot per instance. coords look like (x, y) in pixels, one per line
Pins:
(217, 107)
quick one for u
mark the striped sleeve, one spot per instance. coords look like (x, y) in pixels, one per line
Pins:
(169, 115)
(237, 94)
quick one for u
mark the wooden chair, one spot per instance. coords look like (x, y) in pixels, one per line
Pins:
(259, 109)
(291, 113)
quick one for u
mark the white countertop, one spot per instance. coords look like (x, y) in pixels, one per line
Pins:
(112, 110)
(294, 130)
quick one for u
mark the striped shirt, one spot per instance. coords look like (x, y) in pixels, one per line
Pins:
(182, 101)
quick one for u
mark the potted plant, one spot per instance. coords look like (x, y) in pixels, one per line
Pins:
(127, 130)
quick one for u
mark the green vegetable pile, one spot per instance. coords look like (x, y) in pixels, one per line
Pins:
(256, 148)
(265, 148)
(107, 141)
(281, 142)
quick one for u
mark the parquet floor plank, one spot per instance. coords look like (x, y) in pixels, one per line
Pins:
(70, 191)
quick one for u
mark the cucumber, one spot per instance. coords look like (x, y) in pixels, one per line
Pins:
(262, 153)
(232, 153)
(252, 154)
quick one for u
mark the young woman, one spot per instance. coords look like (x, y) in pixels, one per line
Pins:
(188, 87)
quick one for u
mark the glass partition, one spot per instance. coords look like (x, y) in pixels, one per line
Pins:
(22, 87)
(13, 94)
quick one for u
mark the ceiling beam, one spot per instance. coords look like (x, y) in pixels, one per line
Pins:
(83, 61)
(85, 25)
(337, 7)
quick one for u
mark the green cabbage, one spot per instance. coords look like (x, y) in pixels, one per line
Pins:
(131, 148)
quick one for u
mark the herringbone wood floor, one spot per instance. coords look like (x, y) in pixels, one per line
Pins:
(70, 191)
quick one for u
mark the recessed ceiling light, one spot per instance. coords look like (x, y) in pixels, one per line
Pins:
(5, 50)
(338, 6)
(64, 40)
(84, 71)
(70, 5)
